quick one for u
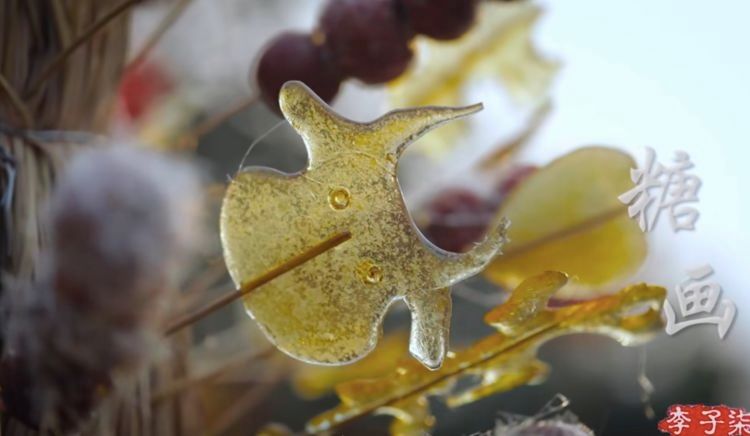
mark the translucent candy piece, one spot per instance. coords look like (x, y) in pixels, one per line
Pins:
(566, 217)
(502, 361)
(499, 49)
(313, 381)
(329, 309)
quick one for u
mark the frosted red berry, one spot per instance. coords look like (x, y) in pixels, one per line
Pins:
(368, 38)
(440, 19)
(296, 56)
(458, 218)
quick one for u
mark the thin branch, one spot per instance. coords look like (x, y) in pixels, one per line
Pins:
(190, 139)
(15, 100)
(241, 406)
(167, 22)
(179, 386)
(201, 285)
(61, 22)
(261, 280)
(507, 150)
(566, 232)
(81, 39)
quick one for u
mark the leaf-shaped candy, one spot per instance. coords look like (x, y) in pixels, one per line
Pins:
(566, 217)
(314, 381)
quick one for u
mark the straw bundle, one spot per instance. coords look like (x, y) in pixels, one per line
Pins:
(59, 71)
(60, 66)
(58, 83)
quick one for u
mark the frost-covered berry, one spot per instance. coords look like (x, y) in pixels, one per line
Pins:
(368, 38)
(440, 19)
(458, 218)
(296, 56)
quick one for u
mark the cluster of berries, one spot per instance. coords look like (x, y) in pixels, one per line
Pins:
(367, 40)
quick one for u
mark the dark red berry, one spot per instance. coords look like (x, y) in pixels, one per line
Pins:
(296, 56)
(368, 38)
(440, 19)
(458, 218)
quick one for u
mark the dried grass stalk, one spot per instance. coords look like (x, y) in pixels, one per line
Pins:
(51, 82)
(78, 93)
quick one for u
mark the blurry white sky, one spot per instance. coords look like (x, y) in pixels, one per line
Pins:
(670, 74)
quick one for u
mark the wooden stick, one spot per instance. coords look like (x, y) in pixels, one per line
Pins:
(587, 224)
(81, 39)
(261, 280)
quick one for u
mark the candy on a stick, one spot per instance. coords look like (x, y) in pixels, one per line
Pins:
(329, 309)
(499, 362)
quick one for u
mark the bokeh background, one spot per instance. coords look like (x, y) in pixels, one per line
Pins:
(668, 74)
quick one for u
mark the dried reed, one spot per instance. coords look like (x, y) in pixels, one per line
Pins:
(60, 66)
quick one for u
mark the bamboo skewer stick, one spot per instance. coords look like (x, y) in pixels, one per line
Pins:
(259, 281)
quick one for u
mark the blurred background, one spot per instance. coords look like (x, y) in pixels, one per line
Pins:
(669, 74)
(554, 77)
